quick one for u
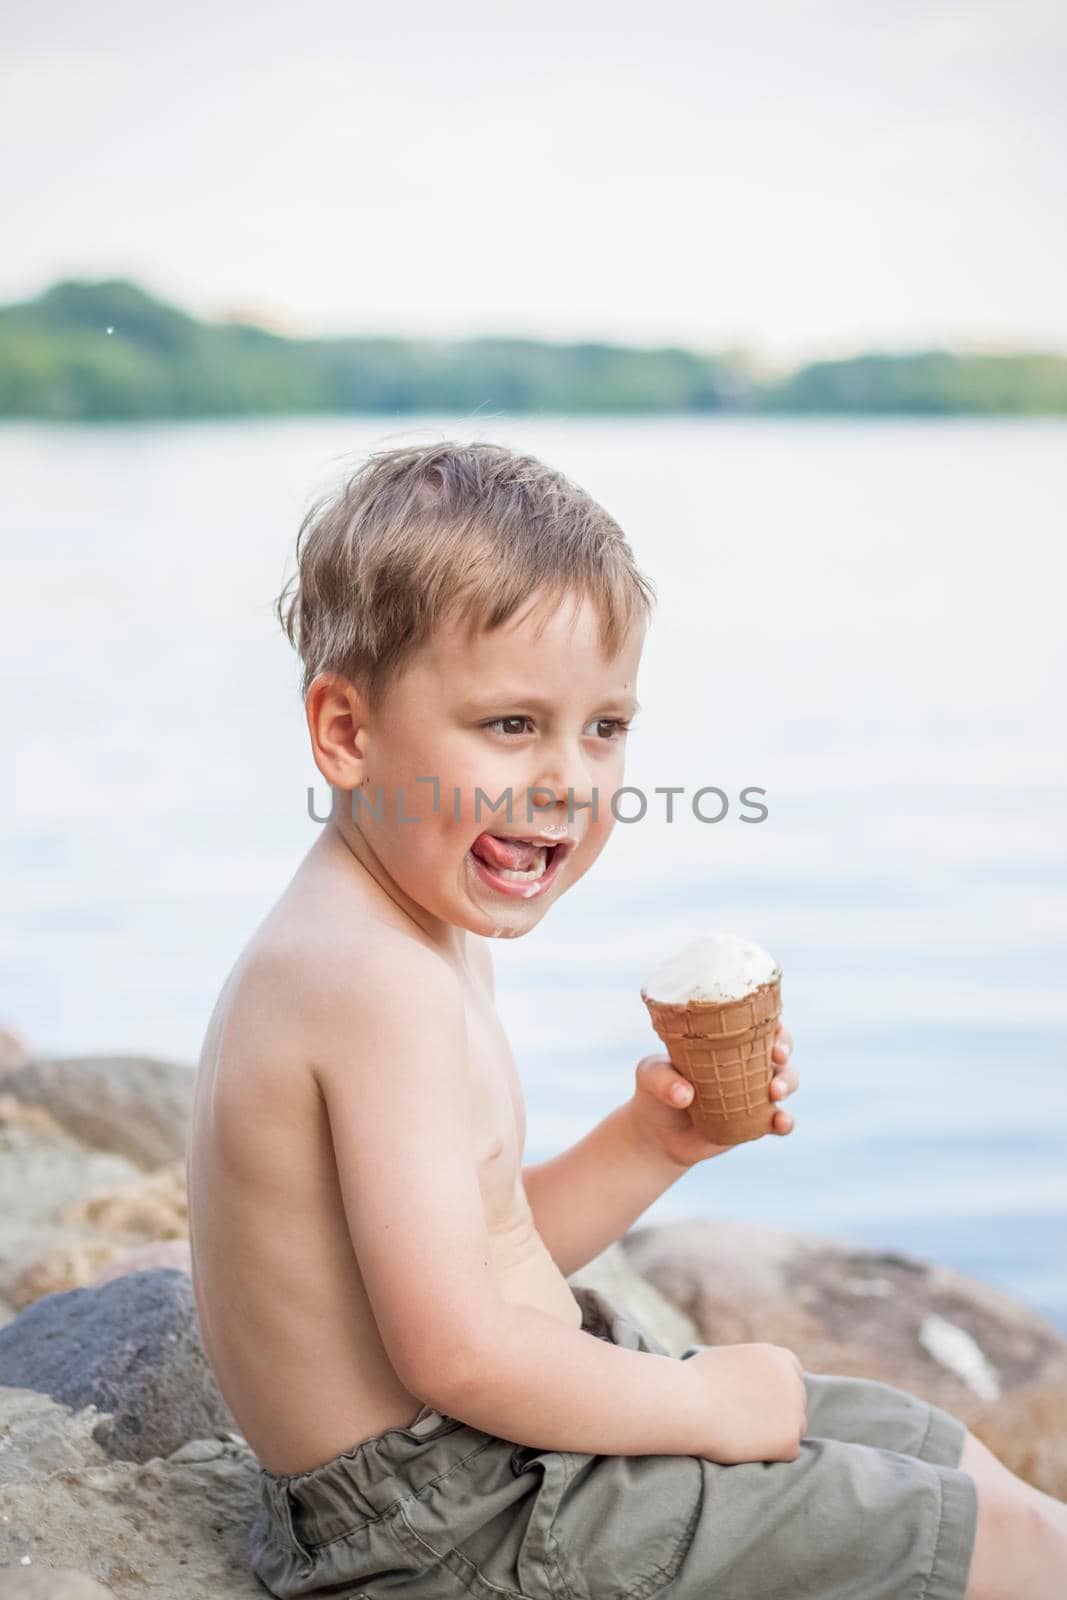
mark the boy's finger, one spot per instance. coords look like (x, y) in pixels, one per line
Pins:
(657, 1074)
(661, 1079)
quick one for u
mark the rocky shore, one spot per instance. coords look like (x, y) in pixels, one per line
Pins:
(122, 1472)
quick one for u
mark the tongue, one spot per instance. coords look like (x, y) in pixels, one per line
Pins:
(515, 854)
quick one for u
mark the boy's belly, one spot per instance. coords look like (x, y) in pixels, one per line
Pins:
(530, 1277)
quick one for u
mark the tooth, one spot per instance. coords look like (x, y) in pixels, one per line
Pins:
(525, 874)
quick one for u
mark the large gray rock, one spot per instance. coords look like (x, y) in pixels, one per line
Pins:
(174, 1528)
(134, 1106)
(130, 1347)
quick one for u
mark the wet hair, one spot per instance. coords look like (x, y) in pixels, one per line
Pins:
(421, 534)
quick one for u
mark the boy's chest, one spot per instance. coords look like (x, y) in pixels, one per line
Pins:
(498, 1113)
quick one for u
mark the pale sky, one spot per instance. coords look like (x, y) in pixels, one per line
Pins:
(801, 177)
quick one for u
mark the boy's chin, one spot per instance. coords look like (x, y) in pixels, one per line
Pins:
(502, 917)
(501, 932)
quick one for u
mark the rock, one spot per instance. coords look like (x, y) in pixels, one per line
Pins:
(174, 1527)
(172, 1253)
(65, 1266)
(14, 1114)
(42, 1169)
(130, 1347)
(99, 1229)
(133, 1106)
(50, 1583)
(200, 1450)
(38, 1437)
(612, 1273)
(998, 1366)
(155, 1205)
(1027, 1430)
(14, 1052)
(957, 1352)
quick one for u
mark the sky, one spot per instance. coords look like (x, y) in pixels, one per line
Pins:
(793, 178)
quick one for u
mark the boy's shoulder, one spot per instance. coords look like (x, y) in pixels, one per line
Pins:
(301, 1018)
(328, 974)
(319, 961)
(308, 968)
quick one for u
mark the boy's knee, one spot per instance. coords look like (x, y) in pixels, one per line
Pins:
(985, 1468)
(1018, 1546)
(976, 1457)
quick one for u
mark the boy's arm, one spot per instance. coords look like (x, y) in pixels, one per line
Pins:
(390, 1057)
(586, 1197)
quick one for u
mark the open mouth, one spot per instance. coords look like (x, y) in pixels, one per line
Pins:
(515, 865)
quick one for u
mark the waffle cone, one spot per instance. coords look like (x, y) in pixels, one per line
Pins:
(724, 1048)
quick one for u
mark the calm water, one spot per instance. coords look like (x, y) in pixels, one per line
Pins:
(863, 619)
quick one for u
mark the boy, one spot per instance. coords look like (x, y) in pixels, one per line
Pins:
(382, 1286)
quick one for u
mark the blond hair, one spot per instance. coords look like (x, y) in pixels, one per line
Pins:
(421, 533)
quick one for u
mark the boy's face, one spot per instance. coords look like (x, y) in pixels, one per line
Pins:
(513, 713)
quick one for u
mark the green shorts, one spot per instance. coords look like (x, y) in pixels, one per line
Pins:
(874, 1507)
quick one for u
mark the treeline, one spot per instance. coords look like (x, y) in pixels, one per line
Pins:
(105, 351)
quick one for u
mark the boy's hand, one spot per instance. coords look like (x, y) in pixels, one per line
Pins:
(659, 1107)
(756, 1402)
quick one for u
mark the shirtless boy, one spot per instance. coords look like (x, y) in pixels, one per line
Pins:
(381, 1283)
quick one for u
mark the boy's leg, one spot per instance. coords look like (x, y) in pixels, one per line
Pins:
(1020, 1545)
(988, 1472)
(1021, 1535)
(871, 1412)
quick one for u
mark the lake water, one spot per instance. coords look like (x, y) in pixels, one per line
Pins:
(865, 619)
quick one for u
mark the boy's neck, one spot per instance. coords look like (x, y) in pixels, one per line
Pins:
(343, 838)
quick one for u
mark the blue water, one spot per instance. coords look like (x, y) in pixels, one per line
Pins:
(864, 619)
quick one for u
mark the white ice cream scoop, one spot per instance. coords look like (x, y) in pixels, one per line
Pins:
(717, 967)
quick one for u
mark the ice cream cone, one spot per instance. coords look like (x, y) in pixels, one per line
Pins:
(724, 1048)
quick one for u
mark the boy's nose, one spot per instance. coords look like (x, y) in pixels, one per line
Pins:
(563, 778)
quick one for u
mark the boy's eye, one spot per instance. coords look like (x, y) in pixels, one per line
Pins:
(616, 726)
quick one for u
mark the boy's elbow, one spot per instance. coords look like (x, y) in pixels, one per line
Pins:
(444, 1373)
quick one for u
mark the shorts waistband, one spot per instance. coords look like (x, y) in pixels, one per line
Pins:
(367, 1481)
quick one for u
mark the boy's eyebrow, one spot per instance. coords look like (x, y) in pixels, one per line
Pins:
(508, 696)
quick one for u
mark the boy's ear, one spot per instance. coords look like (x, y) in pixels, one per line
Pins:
(337, 717)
